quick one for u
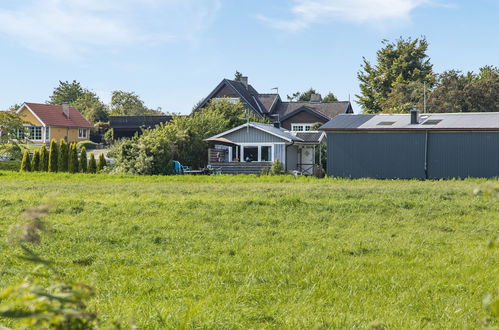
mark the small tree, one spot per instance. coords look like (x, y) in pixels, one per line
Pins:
(44, 159)
(73, 159)
(101, 163)
(276, 168)
(92, 165)
(26, 162)
(62, 164)
(35, 164)
(53, 156)
(83, 160)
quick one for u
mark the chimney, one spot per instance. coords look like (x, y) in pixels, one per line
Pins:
(244, 80)
(277, 124)
(316, 98)
(65, 109)
(414, 116)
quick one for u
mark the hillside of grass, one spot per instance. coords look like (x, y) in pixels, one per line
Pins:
(268, 252)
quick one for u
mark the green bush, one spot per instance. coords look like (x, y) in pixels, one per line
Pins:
(109, 136)
(10, 165)
(53, 156)
(73, 159)
(101, 163)
(92, 165)
(44, 159)
(83, 160)
(35, 164)
(62, 161)
(276, 168)
(89, 145)
(26, 162)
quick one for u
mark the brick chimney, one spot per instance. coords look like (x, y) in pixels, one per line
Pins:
(244, 80)
(316, 98)
(65, 109)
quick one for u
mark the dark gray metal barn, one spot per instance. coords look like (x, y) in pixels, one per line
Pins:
(406, 146)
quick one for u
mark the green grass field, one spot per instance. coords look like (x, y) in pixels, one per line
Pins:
(268, 252)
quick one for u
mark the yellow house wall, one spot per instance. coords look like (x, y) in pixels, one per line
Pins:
(71, 133)
(29, 117)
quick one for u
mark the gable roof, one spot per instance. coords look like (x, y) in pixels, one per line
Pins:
(53, 115)
(434, 121)
(311, 136)
(270, 129)
(137, 121)
(269, 101)
(326, 110)
(248, 95)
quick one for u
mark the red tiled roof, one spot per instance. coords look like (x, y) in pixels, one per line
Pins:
(53, 115)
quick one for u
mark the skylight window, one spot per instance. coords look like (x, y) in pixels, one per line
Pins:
(386, 123)
(432, 121)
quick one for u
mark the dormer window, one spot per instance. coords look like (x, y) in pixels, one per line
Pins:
(233, 100)
(301, 127)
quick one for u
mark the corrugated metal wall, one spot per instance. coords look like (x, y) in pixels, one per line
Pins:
(461, 155)
(392, 155)
(376, 155)
(252, 135)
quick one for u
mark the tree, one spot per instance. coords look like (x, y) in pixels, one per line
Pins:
(15, 107)
(92, 166)
(237, 76)
(330, 98)
(401, 62)
(91, 107)
(73, 159)
(62, 160)
(83, 160)
(12, 134)
(302, 97)
(101, 164)
(26, 162)
(44, 159)
(35, 165)
(66, 92)
(129, 104)
(53, 156)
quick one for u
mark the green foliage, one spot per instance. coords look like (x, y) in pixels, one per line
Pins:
(44, 159)
(83, 160)
(302, 97)
(109, 136)
(276, 168)
(101, 164)
(10, 165)
(73, 159)
(398, 65)
(53, 156)
(26, 162)
(91, 107)
(35, 165)
(89, 145)
(129, 104)
(330, 98)
(237, 76)
(11, 123)
(92, 165)
(63, 158)
(267, 252)
(66, 92)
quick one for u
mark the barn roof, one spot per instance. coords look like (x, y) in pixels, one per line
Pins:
(402, 122)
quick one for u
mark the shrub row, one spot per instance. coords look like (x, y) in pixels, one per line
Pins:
(61, 157)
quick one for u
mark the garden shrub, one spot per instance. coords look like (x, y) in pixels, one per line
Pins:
(26, 162)
(35, 164)
(92, 165)
(73, 159)
(276, 168)
(44, 159)
(83, 160)
(89, 145)
(101, 163)
(53, 156)
(62, 161)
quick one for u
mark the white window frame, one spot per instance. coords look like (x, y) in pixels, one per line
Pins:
(259, 146)
(46, 134)
(233, 100)
(304, 127)
(31, 129)
(84, 136)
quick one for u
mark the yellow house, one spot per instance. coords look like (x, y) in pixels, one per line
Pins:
(46, 122)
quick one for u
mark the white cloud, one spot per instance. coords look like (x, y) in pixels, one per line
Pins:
(77, 27)
(308, 12)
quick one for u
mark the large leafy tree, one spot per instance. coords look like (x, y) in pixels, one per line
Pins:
(66, 92)
(91, 107)
(398, 65)
(307, 96)
(129, 104)
(10, 125)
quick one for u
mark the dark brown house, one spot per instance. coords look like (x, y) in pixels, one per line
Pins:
(293, 116)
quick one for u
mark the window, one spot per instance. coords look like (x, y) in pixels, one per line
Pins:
(47, 133)
(301, 127)
(385, 123)
(233, 100)
(82, 133)
(432, 122)
(20, 134)
(34, 133)
(250, 154)
(266, 153)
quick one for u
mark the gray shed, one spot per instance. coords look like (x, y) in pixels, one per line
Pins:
(406, 146)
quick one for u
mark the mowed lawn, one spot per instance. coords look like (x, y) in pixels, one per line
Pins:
(268, 252)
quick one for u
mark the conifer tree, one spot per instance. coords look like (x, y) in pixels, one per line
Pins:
(92, 165)
(83, 160)
(26, 162)
(44, 159)
(62, 164)
(35, 163)
(101, 163)
(73, 158)
(53, 156)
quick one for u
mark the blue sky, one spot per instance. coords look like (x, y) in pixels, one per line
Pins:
(174, 52)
